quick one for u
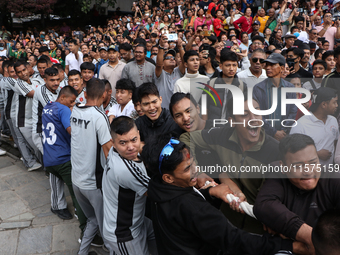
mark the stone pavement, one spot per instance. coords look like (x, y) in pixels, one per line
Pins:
(27, 225)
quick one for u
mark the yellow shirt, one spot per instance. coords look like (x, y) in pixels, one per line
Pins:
(263, 21)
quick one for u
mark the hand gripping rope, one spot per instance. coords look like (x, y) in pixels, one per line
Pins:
(245, 206)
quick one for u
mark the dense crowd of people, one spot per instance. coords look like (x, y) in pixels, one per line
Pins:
(137, 116)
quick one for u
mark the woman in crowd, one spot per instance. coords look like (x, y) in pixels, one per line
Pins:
(245, 22)
(200, 20)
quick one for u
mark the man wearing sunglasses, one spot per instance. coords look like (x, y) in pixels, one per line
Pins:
(166, 72)
(255, 73)
(275, 65)
(125, 183)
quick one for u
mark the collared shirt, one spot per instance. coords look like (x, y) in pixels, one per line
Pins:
(166, 83)
(250, 79)
(323, 134)
(112, 74)
(277, 113)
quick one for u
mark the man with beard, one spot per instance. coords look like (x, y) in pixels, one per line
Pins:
(304, 62)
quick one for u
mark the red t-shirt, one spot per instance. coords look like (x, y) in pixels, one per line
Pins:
(217, 25)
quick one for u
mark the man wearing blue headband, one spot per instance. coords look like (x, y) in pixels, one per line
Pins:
(184, 221)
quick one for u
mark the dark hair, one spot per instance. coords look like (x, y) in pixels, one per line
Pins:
(126, 84)
(87, 66)
(294, 143)
(95, 88)
(139, 41)
(178, 96)
(5, 64)
(11, 64)
(337, 52)
(125, 46)
(320, 62)
(122, 125)
(326, 54)
(68, 91)
(58, 66)
(258, 38)
(188, 54)
(212, 38)
(325, 234)
(107, 84)
(46, 58)
(51, 71)
(19, 63)
(228, 55)
(147, 89)
(152, 150)
(135, 98)
(35, 57)
(296, 51)
(143, 46)
(325, 41)
(73, 41)
(299, 18)
(74, 72)
(318, 52)
(292, 29)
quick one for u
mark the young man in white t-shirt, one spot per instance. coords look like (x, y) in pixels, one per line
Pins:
(75, 58)
(321, 126)
(124, 106)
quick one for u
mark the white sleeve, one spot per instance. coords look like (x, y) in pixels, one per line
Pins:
(103, 129)
(113, 111)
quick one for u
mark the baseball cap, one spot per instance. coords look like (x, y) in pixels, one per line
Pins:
(103, 48)
(171, 51)
(113, 47)
(335, 2)
(321, 95)
(276, 58)
(256, 23)
(43, 49)
(289, 36)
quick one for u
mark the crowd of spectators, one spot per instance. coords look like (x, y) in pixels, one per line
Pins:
(125, 114)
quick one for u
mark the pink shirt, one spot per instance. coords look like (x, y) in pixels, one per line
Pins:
(329, 35)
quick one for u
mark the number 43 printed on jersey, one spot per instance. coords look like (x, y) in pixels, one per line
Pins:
(52, 137)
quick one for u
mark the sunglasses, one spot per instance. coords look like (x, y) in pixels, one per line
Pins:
(169, 57)
(166, 152)
(255, 60)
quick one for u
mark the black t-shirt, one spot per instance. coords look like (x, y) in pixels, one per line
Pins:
(204, 5)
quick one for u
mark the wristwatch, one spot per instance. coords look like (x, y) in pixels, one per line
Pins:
(160, 47)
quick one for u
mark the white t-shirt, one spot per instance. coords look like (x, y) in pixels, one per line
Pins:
(116, 110)
(72, 62)
(323, 134)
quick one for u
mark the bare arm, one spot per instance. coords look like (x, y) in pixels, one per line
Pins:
(106, 148)
(68, 130)
(30, 94)
(181, 66)
(67, 69)
(159, 63)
